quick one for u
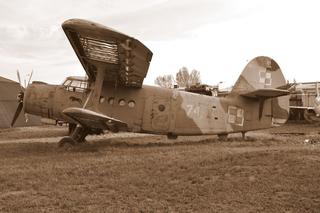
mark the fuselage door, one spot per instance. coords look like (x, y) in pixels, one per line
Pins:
(160, 115)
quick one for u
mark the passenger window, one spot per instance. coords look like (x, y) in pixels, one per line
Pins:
(131, 104)
(111, 100)
(102, 99)
(122, 102)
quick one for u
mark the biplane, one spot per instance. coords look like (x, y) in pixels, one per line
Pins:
(112, 96)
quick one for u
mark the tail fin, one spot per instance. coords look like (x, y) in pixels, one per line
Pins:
(261, 78)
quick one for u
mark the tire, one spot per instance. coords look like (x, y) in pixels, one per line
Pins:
(66, 141)
(311, 117)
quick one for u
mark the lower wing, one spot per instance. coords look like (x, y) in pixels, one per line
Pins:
(93, 120)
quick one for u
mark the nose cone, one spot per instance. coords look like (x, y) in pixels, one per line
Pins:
(38, 99)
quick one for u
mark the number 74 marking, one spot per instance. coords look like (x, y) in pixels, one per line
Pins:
(193, 110)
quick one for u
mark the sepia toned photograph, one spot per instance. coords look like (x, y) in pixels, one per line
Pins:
(159, 106)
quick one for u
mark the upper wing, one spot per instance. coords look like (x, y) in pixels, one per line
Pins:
(124, 59)
(91, 119)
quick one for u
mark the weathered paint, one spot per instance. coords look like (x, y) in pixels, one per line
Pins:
(116, 65)
(163, 111)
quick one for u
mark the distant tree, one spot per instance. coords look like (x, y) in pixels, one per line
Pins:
(165, 81)
(186, 79)
(194, 77)
(183, 79)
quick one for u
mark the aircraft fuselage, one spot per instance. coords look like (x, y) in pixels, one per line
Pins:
(156, 110)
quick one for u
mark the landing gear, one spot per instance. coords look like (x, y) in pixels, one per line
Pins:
(77, 136)
(71, 128)
(243, 135)
(222, 137)
(311, 117)
(66, 141)
(172, 136)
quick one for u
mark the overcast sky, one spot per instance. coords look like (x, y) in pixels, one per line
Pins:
(216, 37)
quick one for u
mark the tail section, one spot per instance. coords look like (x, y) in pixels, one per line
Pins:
(261, 78)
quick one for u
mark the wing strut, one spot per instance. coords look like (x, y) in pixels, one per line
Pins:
(94, 96)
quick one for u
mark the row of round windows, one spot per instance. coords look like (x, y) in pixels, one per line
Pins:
(121, 102)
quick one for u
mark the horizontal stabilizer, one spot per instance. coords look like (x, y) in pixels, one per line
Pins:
(302, 107)
(92, 119)
(266, 93)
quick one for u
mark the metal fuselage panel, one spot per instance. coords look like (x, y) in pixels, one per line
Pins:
(39, 99)
(49, 101)
(157, 110)
(163, 111)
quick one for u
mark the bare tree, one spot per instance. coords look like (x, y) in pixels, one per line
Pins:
(165, 81)
(186, 79)
(194, 77)
(182, 77)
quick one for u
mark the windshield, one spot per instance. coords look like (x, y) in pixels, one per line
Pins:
(76, 85)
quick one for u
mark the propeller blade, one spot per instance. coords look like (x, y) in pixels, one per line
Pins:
(30, 78)
(18, 75)
(26, 117)
(16, 114)
(19, 79)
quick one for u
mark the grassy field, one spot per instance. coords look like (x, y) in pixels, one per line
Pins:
(152, 174)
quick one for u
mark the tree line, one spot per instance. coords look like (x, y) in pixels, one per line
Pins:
(183, 78)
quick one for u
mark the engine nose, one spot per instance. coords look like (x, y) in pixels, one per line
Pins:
(38, 99)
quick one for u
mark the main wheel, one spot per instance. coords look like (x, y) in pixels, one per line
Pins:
(172, 136)
(222, 137)
(66, 141)
(311, 117)
(243, 134)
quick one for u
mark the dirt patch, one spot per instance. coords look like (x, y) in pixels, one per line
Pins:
(145, 173)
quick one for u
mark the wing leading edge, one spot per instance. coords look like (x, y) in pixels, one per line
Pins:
(124, 59)
(88, 118)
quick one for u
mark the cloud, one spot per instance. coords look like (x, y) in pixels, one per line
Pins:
(173, 19)
(197, 34)
(31, 34)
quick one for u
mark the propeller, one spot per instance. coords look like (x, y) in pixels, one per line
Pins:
(20, 98)
(19, 108)
(30, 76)
(19, 79)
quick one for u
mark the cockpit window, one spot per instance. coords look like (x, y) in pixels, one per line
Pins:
(75, 85)
(67, 83)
